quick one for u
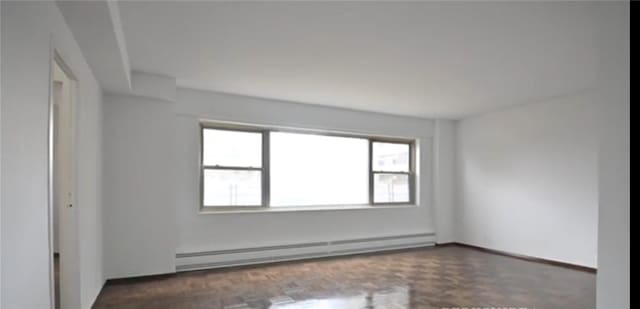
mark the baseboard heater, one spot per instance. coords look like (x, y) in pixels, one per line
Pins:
(259, 255)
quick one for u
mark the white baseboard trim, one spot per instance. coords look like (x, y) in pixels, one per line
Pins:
(259, 255)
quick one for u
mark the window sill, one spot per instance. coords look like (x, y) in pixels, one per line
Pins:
(206, 211)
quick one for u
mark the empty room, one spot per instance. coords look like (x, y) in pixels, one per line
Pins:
(315, 154)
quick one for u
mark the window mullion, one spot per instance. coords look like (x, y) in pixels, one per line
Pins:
(266, 176)
(371, 189)
(412, 173)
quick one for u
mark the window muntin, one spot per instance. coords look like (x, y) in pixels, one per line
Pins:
(311, 169)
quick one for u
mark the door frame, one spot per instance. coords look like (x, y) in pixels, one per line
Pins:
(57, 59)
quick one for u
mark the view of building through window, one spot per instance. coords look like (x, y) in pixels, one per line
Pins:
(232, 188)
(391, 168)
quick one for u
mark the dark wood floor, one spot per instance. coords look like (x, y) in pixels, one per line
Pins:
(439, 277)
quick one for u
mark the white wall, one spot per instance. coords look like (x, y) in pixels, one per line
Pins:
(202, 232)
(139, 189)
(527, 180)
(0, 158)
(444, 182)
(529, 176)
(614, 237)
(151, 182)
(29, 31)
(89, 190)
(614, 271)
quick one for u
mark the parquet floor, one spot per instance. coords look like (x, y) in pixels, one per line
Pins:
(439, 277)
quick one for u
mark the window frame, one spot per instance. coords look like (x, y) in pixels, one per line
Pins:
(410, 173)
(265, 168)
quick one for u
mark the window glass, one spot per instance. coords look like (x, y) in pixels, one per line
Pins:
(390, 157)
(391, 188)
(310, 169)
(232, 188)
(231, 148)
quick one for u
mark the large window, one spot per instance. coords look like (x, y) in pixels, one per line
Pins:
(246, 168)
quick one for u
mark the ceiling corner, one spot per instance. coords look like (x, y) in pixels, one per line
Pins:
(97, 28)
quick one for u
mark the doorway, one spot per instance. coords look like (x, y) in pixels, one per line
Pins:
(63, 214)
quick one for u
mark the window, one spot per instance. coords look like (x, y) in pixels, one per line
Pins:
(247, 167)
(391, 171)
(232, 169)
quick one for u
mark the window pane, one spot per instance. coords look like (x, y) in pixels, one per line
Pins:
(309, 169)
(390, 188)
(390, 157)
(232, 187)
(231, 148)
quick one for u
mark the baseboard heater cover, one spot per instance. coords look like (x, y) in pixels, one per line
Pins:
(244, 250)
(269, 254)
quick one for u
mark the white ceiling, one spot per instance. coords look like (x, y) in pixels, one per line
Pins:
(419, 59)
(97, 28)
